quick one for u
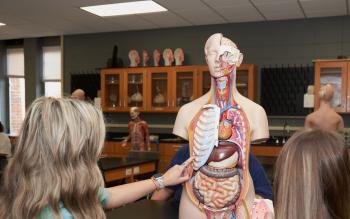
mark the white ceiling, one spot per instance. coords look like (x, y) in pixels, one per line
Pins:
(37, 18)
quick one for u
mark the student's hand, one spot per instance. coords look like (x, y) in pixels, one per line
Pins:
(178, 173)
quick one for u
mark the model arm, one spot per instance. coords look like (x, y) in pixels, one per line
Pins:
(146, 131)
(125, 141)
(124, 194)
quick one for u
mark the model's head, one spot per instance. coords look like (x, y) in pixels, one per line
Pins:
(55, 161)
(134, 57)
(78, 94)
(145, 55)
(221, 55)
(312, 178)
(134, 112)
(326, 92)
(179, 56)
(156, 55)
(168, 56)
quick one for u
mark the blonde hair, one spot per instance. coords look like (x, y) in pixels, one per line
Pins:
(312, 178)
(55, 161)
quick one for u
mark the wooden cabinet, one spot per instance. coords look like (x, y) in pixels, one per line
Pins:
(114, 149)
(335, 72)
(163, 89)
(245, 80)
(111, 89)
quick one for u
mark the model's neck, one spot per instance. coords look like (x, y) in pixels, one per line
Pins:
(325, 104)
(225, 87)
(136, 119)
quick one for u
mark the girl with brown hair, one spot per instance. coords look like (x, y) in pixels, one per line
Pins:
(312, 178)
(53, 172)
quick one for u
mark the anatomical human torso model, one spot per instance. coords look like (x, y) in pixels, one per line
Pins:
(138, 132)
(220, 126)
(325, 117)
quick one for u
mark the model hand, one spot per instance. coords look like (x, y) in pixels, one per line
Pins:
(124, 143)
(178, 173)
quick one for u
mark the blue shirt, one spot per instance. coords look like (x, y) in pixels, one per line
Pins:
(262, 185)
(46, 213)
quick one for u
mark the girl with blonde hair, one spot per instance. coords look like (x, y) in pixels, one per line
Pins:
(53, 172)
(312, 178)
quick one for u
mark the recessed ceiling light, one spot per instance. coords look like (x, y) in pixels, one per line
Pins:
(125, 8)
(2, 24)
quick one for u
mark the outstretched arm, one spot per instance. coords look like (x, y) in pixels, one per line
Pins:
(120, 195)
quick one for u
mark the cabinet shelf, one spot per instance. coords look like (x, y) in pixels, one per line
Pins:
(194, 80)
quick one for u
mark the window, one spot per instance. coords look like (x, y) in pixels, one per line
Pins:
(15, 73)
(52, 71)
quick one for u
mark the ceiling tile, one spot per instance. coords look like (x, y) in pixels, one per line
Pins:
(132, 22)
(235, 11)
(165, 19)
(279, 9)
(324, 8)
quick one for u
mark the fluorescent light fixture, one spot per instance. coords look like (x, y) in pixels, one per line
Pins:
(2, 24)
(125, 8)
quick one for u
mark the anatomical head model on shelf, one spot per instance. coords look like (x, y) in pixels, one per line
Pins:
(134, 58)
(325, 117)
(156, 57)
(168, 57)
(145, 58)
(179, 56)
(219, 127)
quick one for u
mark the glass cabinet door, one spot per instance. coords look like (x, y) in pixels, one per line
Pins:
(159, 90)
(135, 89)
(242, 82)
(185, 86)
(334, 73)
(112, 91)
(204, 80)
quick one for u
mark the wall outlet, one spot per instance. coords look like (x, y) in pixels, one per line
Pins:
(128, 172)
(136, 170)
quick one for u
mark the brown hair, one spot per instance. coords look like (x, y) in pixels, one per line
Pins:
(312, 178)
(55, 161)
